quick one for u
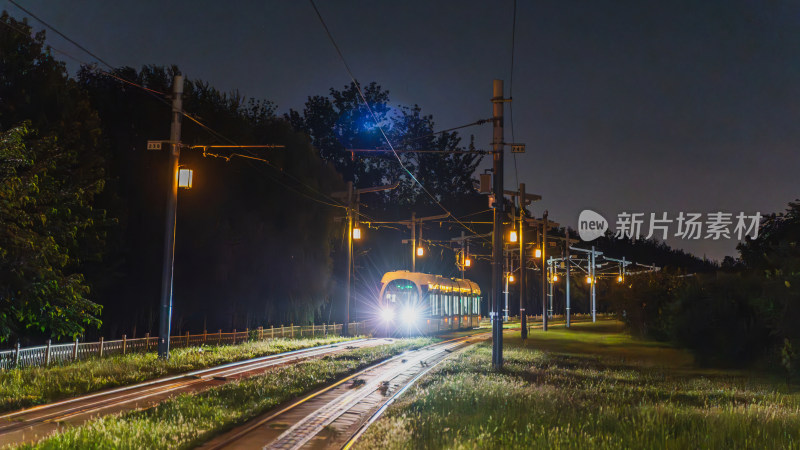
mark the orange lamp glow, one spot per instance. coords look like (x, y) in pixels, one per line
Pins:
(185, 178)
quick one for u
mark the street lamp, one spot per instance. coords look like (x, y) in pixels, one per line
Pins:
(185, 178)
(537, 253)
(619, 279)
(510, 277)
(589, 280)
(512, 236)
(555, 277)
(467, 262)
(420, 251)
(356, 233)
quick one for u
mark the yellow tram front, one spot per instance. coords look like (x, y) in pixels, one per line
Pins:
(421, 303)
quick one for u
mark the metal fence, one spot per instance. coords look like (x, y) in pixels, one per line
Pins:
(45, 355)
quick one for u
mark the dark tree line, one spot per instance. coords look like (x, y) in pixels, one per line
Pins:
(257, 243)
(745, 312)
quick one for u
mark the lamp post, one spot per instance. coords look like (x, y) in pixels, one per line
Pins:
(172, 209)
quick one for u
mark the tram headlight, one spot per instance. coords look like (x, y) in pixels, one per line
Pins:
(387, 314)
(409, 316)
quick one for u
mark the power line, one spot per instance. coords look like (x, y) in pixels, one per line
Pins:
(60, 33)
(163, 100)
(511, 88)
(375, 118)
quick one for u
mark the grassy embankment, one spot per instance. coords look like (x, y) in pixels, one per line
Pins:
(20, 388)
(589, 387)
(188, 420)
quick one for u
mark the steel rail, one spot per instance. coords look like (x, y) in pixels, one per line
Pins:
(336, 413)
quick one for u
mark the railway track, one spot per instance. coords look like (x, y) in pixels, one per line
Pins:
(32, 424)
(335, 416)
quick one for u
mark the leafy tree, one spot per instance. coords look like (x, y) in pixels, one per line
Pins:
(340, 121)
(39, 291)
(64, 168)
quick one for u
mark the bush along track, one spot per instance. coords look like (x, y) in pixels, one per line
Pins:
(188, 420)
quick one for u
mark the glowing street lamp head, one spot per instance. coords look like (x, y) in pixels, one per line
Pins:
(537, 253)
(387, 314)
(356, 233)
(185, 178)
(420, 251)
(512, 236)
(511, 278)
(589, 280)
(555, 277)
(619, 279)
(467, 262)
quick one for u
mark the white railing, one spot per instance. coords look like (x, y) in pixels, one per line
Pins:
(45, 355)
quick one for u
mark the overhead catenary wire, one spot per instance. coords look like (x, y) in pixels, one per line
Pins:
(374, 117)
(511, 87)
(162, 98)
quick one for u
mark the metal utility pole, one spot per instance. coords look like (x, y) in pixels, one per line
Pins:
(169, 230)
(593, 283)
(413, 242)
(497, 236)
(552, 269)
(544, 272)
(345, 330)
(353, 198)
(568, 263)
(523, 273)
(463, 255)
(524, 201)
(591, 259)
(412, 224)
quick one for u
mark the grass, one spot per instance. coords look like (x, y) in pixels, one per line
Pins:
(589, 387)
(21, 388)
(188, 420)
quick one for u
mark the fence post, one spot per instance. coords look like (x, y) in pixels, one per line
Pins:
(124, 344)
(246, 334)
(301, 331)
(47, 354)
(324, 330)
(260, 333)
(281, 330)
(234, 336)
(291, 329)
(16, 355)
(219, 337)
(75, 351)
(101, 347)
(205, 335)
(147, 342)
(187, 339)
(272, 332)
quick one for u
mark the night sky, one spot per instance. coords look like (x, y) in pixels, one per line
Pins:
(633, 106)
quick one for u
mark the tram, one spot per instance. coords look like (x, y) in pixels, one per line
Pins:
(421, 303)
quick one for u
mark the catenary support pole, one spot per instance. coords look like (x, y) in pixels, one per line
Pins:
(345, 327)
(413, 242)
(523, 272)
(497, 236)
(168, 262)
(544, 272)
(594, 282)
(567, 263)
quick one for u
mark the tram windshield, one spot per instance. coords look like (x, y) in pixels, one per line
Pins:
(402, 292)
